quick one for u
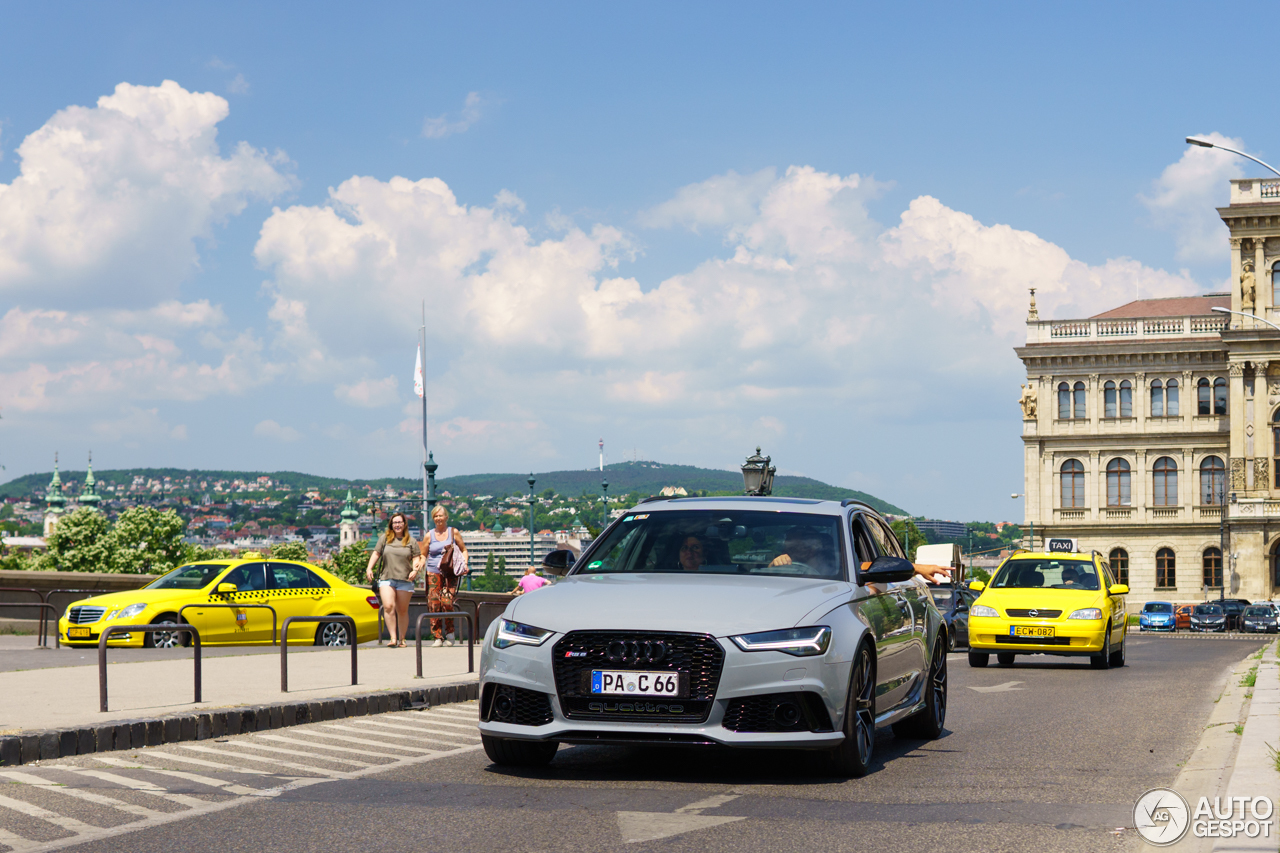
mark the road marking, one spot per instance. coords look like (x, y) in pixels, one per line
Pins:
(999, 688)
(709, 803)
(337, 774)
(200, 762)
(455, 712)
(299, 753)
(418, 729)
(78, 793)
(328, 746)
(135, 785)
(650, 826)
(70, 824)
(220, 784)
(382, 743)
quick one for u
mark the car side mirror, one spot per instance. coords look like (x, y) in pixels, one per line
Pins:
(227, 588)
(1118, 589)
(887, 570)
(977, 586)
(559, 562)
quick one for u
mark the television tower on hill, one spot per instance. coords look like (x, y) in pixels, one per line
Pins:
(602, 455)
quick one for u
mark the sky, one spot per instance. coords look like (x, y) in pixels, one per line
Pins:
(687, 230)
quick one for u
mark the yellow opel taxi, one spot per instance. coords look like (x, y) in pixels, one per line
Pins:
(1060, 602)
(290, 588)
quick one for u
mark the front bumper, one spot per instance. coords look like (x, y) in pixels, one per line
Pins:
(95, 633)
(1071, 636)
(742, 675)
(1144, 625)
(1211, 628)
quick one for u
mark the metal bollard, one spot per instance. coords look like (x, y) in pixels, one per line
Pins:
(146, 629)
(284, 644)
(471, 634)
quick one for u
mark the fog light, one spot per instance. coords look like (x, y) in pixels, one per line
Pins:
(787, 714)
(502, 706)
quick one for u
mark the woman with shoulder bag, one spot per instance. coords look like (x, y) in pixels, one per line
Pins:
(401, 560)
(446, 562)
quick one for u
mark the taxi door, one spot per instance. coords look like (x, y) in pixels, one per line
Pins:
(1119, 615)
(232, 625)
(298, 591)
(890, 618)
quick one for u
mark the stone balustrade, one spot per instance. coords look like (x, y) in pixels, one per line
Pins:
(1079, 331)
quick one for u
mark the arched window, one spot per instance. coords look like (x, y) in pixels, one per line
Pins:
(1171, 401)
(1064, 400)
(1219, 396)
(1204, 397)
(1165, 575)
(1072, 484)
(1120, 565)
(1157, 399)
(1165, 482)
(1126, 399)
(1109, 399)
(1213, 481)
(1117, 483)
(1212, 568)
(1077, 395)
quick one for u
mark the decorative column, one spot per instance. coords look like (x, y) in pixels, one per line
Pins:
(1095, 497)
(1141, 401)
(1138, 479)
(1258, 420)
(1235, 409)
(1235, 281)
(1261, 302)
(1186, 399)
(1094, 396)
(1186, 483)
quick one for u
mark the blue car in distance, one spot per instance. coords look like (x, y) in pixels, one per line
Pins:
(1157, 616)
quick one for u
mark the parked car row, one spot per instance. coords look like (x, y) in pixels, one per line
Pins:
(1232, 614)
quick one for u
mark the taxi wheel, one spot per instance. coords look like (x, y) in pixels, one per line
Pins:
(165, 639)
(519, 753)
(853, 756)
(979, 659)
(1103, 659)
(332, 634)
(1005, 658)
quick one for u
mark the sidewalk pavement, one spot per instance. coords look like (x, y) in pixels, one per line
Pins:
(1255, 773)
(66, 697)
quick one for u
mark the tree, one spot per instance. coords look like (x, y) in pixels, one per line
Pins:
(82, 542)
(350, 563)
(147, 540)
(200, 553)
(913, 536)
(494, 578)
(291, 551)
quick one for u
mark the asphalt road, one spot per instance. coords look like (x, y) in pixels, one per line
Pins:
(1046, 755)
(20, 652)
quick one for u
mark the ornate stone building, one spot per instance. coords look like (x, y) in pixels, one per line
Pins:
(1141, 425)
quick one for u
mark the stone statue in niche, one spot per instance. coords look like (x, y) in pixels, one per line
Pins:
(1237, 474)
(1248, 288)
(1028, 402)
(1261, 472)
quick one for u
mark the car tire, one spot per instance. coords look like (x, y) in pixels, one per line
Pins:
(519, 753)
(1103, 659)
(166, 639)
(927, 723)
(1005, 658)
(979, 659)
(951, 642)
(1117, 656)
(333, 633)
(853, 756)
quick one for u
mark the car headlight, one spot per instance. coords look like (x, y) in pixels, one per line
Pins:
(515, 634)
(1087, 613)
(801, 642)
(129, 612)
(984, 610)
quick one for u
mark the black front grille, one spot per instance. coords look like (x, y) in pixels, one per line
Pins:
(503, 703)
(778, 712)
(1034, 641)
(85, 615)
(580, 652)
(1034, 613)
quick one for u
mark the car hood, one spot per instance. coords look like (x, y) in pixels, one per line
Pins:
(113, 600)
(1065, 600)
(714, 604)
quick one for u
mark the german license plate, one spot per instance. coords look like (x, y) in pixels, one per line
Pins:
(78, 633)
(630, 683)
(1029, 631)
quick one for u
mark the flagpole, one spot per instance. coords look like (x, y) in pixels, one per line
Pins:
(426, 507)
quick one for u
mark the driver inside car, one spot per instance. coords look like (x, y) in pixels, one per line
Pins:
(808, 546)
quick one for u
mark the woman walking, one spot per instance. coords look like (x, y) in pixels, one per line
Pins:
(440, 588)
(401, 559)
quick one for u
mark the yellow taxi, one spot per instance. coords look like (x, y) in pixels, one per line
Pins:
(1059, 602)
(290, 588)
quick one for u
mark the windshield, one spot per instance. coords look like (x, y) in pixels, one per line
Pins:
(941, 595)
(1257, 611)
(1157, 607)
(722, 542)
(194, 576)
(1047, 574)
(1208, 610)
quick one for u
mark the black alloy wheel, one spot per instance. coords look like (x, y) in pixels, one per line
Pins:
(979, 659)
(853, 756)
(927, 723)
(519, 753)
(332, 633)
(166, 639)
(1103, 659)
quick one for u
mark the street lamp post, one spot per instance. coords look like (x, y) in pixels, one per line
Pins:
(604, 487)
(1204, 143)
(757, 475)
(430, 501)
(1031, 521)
(1246, 314)
(531, 481)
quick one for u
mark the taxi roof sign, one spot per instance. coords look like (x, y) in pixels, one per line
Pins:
(1061, 546)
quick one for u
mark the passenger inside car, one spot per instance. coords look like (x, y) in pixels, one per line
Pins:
(692, 554)
(810, 547)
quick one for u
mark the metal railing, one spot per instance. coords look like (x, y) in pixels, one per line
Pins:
(47, 597)
(186, 607)
(42, 635)
(284, 644)
(471, 633)
(43, 639)
(145, 629)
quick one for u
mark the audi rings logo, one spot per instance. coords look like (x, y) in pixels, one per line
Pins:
(636, 651)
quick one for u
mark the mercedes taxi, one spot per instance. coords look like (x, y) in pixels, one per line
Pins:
(1060, 602)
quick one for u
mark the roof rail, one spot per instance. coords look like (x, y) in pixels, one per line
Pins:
(1019, 551)
(848, 501)
(653, 498)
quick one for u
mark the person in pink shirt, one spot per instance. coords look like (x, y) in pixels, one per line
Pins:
(529, 582)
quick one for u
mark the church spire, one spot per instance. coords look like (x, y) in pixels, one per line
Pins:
(89, 494)
(53, 496)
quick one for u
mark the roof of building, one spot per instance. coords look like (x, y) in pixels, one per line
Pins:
(1177, 306)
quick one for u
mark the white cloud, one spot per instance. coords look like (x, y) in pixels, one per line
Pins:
(438, 127)
(238, 85)
(1183, 199)
(719, 201)
(110, 200)
(273, 430)
(369, 393)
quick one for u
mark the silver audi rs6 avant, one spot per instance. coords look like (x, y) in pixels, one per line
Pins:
(745, 622)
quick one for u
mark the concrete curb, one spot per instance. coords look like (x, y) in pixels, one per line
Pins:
(1200, 635)
(131, 734)
(1253, 773)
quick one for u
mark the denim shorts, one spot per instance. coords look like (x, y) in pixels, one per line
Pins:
(401, 586)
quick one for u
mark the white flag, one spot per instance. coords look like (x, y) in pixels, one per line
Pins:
(417, 374)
